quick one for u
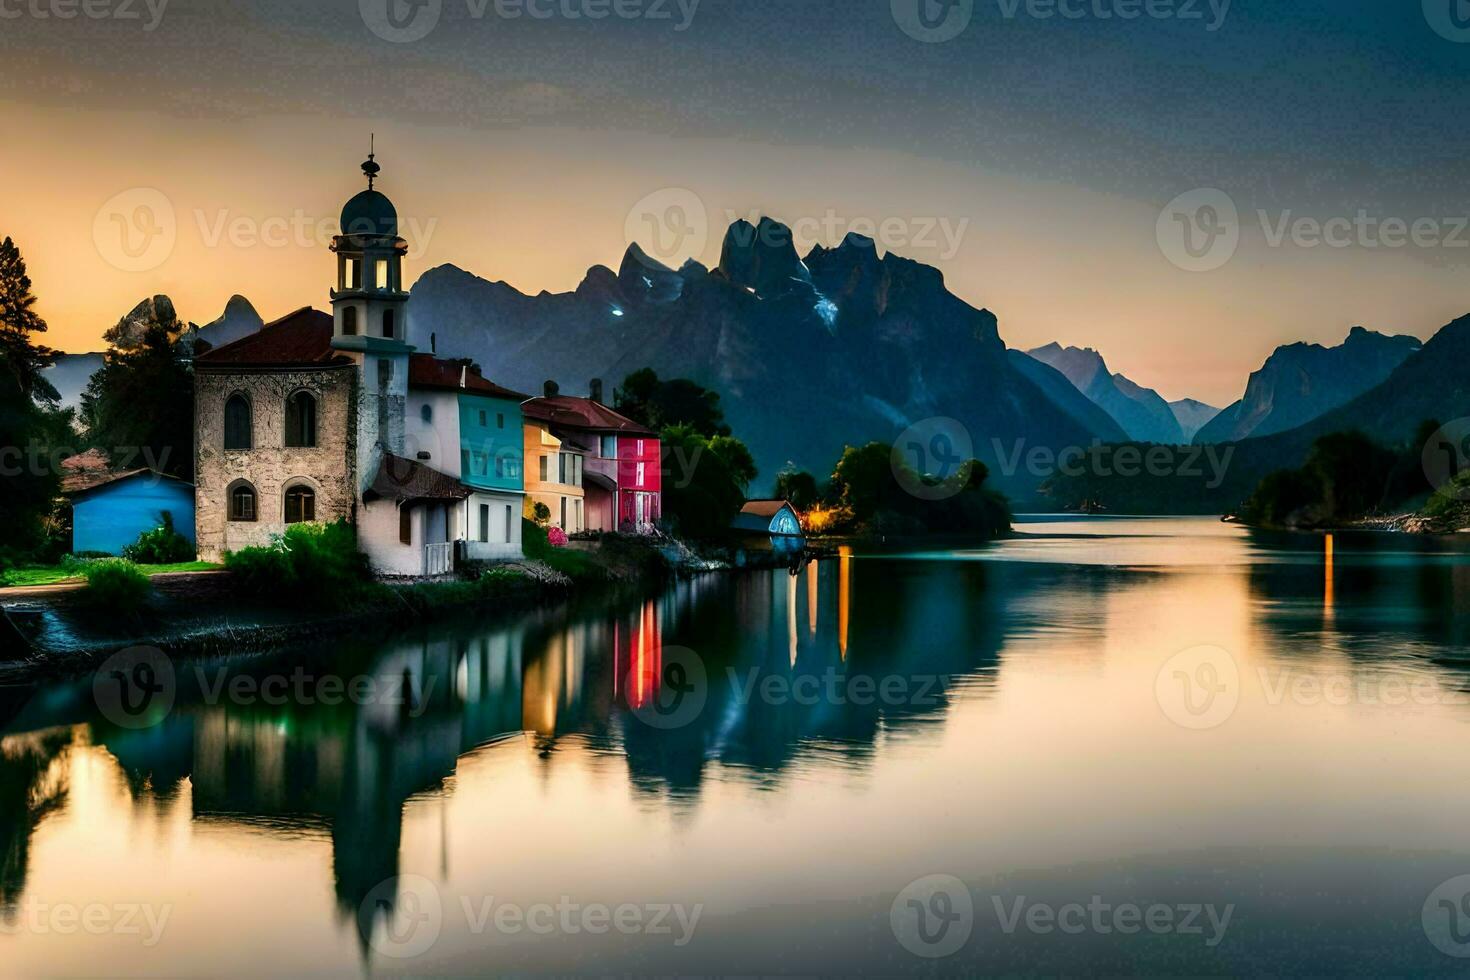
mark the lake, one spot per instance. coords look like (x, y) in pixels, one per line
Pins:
(1107, 745)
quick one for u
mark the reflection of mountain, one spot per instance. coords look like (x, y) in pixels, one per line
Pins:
(32, 786)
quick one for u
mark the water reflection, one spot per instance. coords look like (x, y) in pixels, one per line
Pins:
(1010, 692)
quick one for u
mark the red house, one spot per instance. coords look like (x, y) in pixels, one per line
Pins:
(620, 459)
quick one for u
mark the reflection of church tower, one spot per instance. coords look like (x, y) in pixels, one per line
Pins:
(370, 326)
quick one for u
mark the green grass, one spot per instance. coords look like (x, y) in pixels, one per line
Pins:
(70, 572)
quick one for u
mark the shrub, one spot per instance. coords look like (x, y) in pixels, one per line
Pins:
(161, 546)
(316, 565)
(115, 586)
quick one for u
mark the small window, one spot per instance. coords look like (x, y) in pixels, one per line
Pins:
(508, 516)
(300, 505)
(382, 273)
(301, 421)
(483, 423)
(427, 414)
(242, 502)
(405, 524)
(544, 475)
(390, 324)
(349, 321)
(484, 523)
(385, 374)
(353, 274)
(640, 474)
(500, 421)
(237, 423)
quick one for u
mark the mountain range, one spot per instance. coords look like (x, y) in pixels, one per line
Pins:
(809, 354)
(1302, 382)
(1141, 412)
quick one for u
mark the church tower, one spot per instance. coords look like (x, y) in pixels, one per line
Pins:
(370, 324)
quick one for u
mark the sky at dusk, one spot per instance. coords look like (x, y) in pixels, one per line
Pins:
(1046, 163)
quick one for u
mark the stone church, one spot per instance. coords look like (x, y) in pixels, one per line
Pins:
(308, 420)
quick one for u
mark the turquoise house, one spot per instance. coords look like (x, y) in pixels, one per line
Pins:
(109, 516)
(492, 444)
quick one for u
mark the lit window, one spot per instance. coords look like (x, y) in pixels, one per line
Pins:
(381, 274)
(352, 275)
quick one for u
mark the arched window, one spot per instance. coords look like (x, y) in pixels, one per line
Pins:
(237, 423)
(427, 414)
(349, 321)
(390, 323)
(242, 502)
(301, 421)
(300, 505)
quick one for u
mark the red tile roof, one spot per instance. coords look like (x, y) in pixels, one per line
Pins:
(581, 413)
(302, 338)
(427, 371)
(92, 469)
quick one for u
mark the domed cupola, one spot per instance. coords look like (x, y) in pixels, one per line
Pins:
(369, 299)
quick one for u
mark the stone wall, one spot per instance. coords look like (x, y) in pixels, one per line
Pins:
(270, 467)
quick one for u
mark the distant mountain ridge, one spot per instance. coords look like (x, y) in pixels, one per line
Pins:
(1302, 382)
(809, 355)
(1192, 416)
(1141, 412)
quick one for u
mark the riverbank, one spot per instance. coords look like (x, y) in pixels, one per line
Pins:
(53, 630)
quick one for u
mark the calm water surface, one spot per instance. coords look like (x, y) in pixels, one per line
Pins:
(1102, 714)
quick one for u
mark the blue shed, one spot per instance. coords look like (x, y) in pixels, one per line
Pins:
(109, 516)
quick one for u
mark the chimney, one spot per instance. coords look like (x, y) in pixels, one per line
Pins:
(552, 389)
(596, 388)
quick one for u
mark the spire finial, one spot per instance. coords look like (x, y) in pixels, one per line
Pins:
(370, 167)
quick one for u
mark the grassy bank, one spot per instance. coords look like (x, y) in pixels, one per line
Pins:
(72, 571)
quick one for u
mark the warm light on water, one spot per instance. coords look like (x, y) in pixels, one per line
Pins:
(1151, 711)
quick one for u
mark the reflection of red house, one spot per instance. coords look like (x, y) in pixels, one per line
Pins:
(621, 459)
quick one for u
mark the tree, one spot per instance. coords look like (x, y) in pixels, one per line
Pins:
(879, 496)
(19, 321)
(141, 402)
(661, 404)
(705, 493)
(737, 459)
(799, 488)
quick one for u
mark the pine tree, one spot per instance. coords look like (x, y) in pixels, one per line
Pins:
(19, 321)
